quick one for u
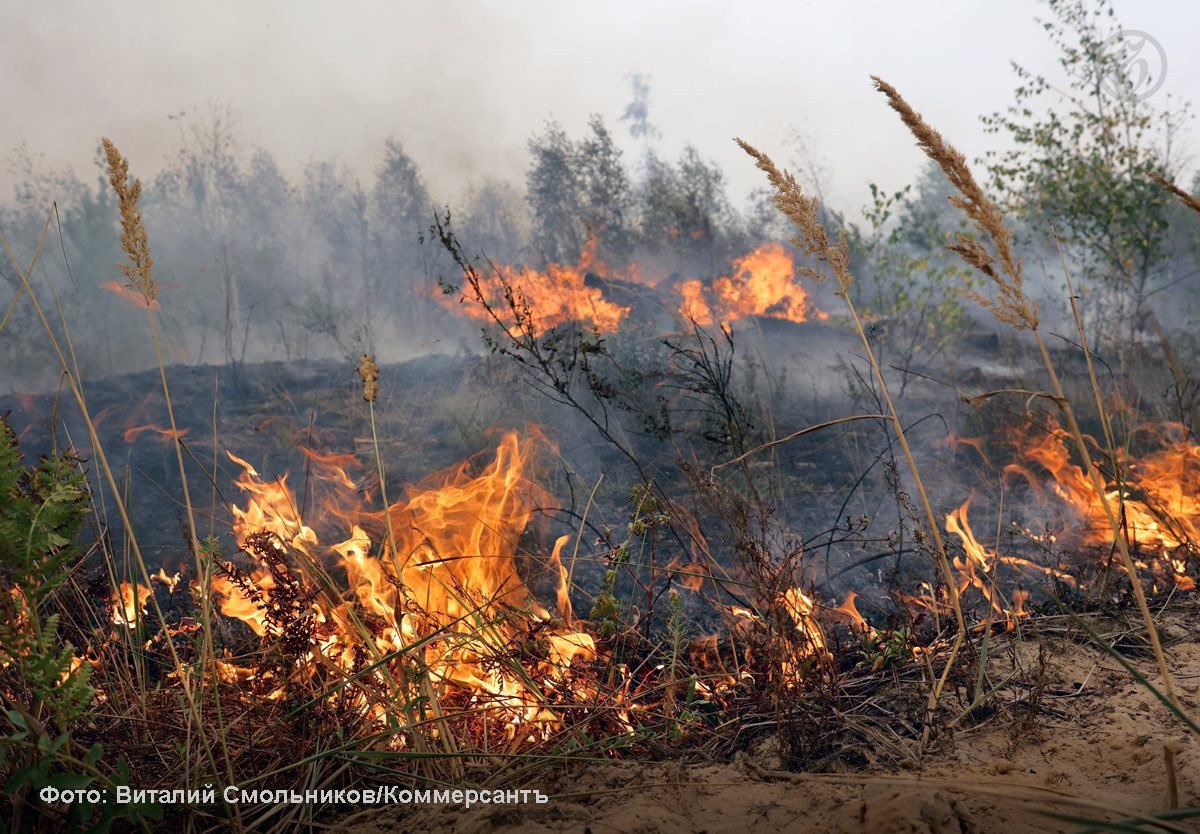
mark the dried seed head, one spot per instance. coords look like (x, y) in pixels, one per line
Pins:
(140, 269)
(804, 212)
(368, 371)
(1010, 304)
(1188, 200)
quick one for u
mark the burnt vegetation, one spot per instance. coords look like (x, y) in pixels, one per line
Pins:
(717, 482)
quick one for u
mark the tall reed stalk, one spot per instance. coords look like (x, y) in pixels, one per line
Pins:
(812, 239)
(139, 273)
(1010, 305)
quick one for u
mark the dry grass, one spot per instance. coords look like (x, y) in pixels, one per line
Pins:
(1013, 307)
(199, 728)
(802, 210)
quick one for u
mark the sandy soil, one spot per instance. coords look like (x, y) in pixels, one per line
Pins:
(1073, 734)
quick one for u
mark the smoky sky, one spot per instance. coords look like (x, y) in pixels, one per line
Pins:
(463, 85)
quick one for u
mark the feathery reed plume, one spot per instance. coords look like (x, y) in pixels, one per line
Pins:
(1189, 200)
(134, 242)
(813, 240)
(368, 372)
(1010, 306)
(804, 212)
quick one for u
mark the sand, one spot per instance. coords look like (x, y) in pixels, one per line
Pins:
(1073, 734)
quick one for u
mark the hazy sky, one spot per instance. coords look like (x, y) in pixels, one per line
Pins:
(464, 84)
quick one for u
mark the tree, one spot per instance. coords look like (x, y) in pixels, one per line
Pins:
(197, 197)
(908, 278)
(496, 221)
(335, 214)
(400, 210)
(685, 207)
(579, 191)
(607, 198)
(553, 193)
(1081, 162)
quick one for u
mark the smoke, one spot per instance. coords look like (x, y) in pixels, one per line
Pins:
(463, 84)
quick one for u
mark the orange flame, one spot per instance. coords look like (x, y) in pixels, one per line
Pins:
(333, 467)
(129, 603)
(978, 568)
(170, 581)
(1166, 516)
(763, 283)
(801, 608)
(129, 294)
(550, 297)
(440, 579)
(849, 610)
(166, 434)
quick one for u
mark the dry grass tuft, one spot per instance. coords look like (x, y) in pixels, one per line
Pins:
(134, 242)
(1010, 305)
(813, 240)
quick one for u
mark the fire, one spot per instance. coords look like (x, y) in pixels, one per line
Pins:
(762, 283)
(545, 298)
(979, 565)
(329, 467)
(849, 610)
(129, 603)
(129, 294)
(434, 585)
(801, 608)
(165, 434)
(170, 581)
(1165, 515)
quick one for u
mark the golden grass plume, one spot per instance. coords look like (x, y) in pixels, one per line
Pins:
(804, 212)
(134, 242)
(1000, 264)
(368, 371)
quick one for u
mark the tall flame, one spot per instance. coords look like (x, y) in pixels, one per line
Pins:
(437, 583)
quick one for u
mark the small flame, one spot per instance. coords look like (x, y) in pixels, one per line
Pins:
(563, 592)
(556, 295)
(801, 608)
(129, 603)
(332, 468)
(849, 610)
(129, 294)
(763, 283)
(166, 434)
(170, 581)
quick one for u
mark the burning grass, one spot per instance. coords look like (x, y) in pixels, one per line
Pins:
(346, 637)
(413, 635)
(760, 283)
